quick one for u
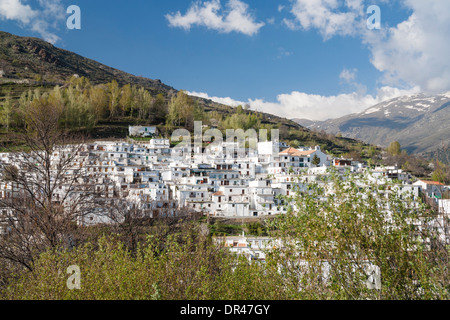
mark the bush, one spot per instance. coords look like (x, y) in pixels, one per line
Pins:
(182, 267)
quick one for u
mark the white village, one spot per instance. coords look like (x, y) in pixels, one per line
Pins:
(242, 183)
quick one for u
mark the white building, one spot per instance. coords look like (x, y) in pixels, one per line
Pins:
(141, 131)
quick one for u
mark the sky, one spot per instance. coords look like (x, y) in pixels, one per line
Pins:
(310, 59)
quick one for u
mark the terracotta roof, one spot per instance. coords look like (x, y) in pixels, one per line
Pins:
(433, 182)
(220, 193)
(296, 153)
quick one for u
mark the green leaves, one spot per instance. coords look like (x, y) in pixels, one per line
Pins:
(355, 225)
(337, 231)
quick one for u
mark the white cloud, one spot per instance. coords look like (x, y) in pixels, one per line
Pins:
(40, 20)
(53, 8)
(413, 53)
(235, 18)
(348, 75)
(416, 51)
(15, 10)
(227, 101)
(316, 107)
(326, 16)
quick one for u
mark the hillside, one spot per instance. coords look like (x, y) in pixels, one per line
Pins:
(29, 63)
(30, 60)
(421, 124)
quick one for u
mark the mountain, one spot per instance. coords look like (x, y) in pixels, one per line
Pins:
(31, 60)
(304, 122)
(27, 63)
(421, 123)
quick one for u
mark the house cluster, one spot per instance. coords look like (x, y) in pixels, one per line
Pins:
(243, 182)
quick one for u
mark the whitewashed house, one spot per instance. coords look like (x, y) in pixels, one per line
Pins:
(432, 189)
(142, 131)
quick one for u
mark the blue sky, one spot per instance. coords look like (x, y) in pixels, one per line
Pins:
(312, 59)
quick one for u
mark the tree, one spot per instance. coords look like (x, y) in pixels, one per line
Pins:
(441, 173)
(113, 98)
(347, 227)
(159, 109)
(394, 148)
(42, 200)
(181, 111)
(99, 101)
(316, 160)
(77, 108)
(126, 100)
(6, 113)
(143, 102)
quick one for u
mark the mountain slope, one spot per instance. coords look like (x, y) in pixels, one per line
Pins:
(28, 60)
(26, 63)
(420, 123)
(29, 63)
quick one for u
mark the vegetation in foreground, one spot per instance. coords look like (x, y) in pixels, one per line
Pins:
(327, 246)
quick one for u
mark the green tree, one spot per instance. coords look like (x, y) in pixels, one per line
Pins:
(316, 160)
(126, 100)
(113, 98)
(99, 101)
(143, 102)
(181, 111)
(441, 173)
(6, 113)
(394, 148)
(341, 230)
(159, 109)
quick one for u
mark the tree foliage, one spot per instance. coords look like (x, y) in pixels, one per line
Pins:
(394, 148)
(343, 226)
(325, 244)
